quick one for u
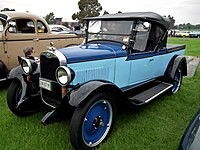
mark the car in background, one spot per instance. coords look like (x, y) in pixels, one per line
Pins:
(194, 34)
(60, 29)
(191, 137)
(19, 30)
(182, 33)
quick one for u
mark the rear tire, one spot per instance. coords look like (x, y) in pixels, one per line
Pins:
(92, 123)
(177, 81)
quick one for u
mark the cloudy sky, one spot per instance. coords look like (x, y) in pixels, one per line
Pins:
(184, 11)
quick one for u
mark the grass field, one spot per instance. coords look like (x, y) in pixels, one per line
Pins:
(156, 126)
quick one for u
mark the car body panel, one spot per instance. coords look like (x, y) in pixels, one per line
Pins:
(191, 137)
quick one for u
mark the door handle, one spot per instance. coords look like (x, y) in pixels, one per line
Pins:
(151, 59)
(35, 39)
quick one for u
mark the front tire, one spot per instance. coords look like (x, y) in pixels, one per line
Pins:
(14, 96)
(92, 123)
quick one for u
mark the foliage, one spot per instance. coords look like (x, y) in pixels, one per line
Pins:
(172, 21)
(187, 26)
(7, 9)
(50, 18)
(88, 8)
(65, 24)
(105, 12)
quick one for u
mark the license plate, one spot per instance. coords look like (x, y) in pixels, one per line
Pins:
(45, 84)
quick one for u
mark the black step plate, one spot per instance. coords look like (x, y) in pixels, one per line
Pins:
(150, 94)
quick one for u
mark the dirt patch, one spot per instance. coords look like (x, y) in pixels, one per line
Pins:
(192, 65)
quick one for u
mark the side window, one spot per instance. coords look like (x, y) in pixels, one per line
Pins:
(155, 37)
(142, 29)
(41, 27)
(21, 26)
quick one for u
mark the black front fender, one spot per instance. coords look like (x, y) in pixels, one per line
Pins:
(85, 91)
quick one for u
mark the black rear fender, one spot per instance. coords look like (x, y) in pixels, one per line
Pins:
(81, 94)
(176, 61)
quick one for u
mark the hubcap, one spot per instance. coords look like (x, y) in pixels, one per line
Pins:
(96, 124)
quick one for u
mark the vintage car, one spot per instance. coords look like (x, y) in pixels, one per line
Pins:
(182, 33)
(191, 137)
(20, 30)
(59, 29)
(125, 59)
(194, 34)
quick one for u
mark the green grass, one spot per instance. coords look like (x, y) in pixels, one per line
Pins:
(157, 126)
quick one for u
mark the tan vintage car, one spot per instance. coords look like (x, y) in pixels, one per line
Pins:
(20, 30)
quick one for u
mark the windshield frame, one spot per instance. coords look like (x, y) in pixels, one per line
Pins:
(104, 33)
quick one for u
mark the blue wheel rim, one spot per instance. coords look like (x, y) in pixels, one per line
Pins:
(97, 123)
(177, 82)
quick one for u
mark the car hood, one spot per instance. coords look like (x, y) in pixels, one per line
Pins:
(90, 52)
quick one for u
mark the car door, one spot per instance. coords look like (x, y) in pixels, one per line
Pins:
(141, 56)
(20, 35)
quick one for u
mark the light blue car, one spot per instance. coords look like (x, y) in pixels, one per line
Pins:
(194, 34)
(124, 59)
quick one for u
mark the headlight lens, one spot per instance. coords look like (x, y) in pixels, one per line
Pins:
(26, 66)
(64, 75)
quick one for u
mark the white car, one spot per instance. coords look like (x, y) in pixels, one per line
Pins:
(60, 29)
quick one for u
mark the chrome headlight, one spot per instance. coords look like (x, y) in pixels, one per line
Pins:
(64, 75)
(26, 66)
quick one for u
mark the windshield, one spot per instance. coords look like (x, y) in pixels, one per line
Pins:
(110, 30)
(2, 24)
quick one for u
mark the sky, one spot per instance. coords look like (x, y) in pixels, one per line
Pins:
(183, 11)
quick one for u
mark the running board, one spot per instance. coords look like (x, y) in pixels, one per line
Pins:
(150, 94)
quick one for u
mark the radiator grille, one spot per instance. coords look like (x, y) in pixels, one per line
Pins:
(48, 66)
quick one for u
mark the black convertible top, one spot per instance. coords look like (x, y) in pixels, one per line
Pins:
(149, 16)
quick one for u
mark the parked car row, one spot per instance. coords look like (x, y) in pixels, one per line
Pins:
(177, 33)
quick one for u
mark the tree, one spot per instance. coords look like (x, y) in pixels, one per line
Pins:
(50, 18)
(66, 24)
(88, 8)
(172, 21)
(119, 12)
(105, 12)
(7, 9)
